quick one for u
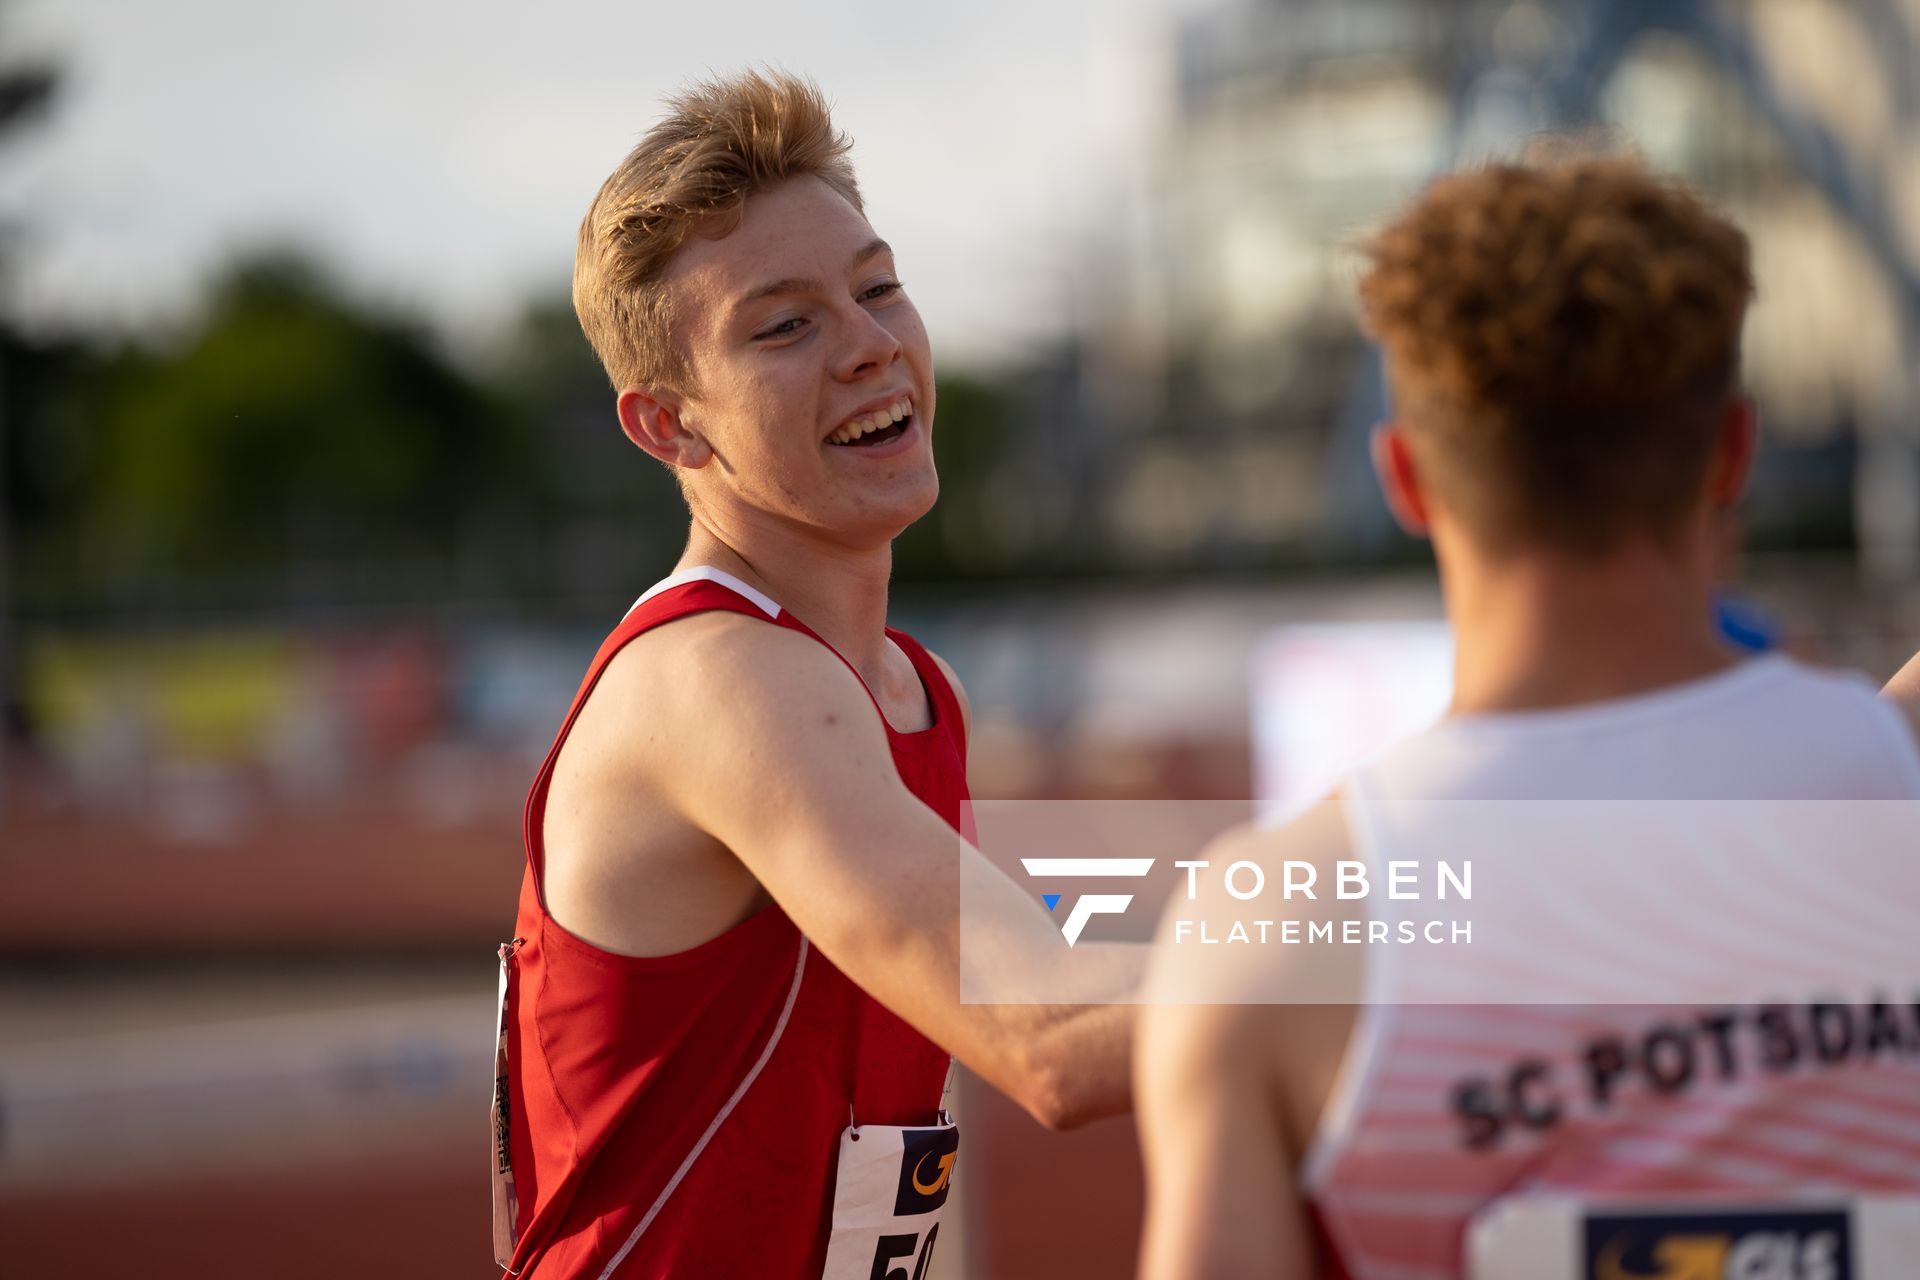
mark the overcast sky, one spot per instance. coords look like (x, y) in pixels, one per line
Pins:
(440, 153)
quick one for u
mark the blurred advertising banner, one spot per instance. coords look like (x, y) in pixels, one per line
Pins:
(1328, 696)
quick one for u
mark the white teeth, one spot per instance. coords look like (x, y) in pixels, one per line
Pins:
(895, 412)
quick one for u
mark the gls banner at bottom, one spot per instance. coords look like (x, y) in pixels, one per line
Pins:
(1548, 1236)
(888, 1199)
(1731, 1244)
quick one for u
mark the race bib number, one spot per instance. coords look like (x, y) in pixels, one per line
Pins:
(506, 1205)
(888, 1198)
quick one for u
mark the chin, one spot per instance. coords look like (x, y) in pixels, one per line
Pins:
(925, 493)
(881, 517)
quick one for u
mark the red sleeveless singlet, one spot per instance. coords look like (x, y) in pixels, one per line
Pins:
(627, 1161)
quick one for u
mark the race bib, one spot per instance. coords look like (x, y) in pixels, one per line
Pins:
(888, 1199)
(506, 1205)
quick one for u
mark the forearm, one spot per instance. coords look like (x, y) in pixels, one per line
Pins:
(1065, 1064)
(1047, 1024)
(996, 1005)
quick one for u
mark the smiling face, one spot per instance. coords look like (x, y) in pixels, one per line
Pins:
(810, 392)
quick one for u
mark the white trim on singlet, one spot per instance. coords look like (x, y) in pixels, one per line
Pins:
(707, 573)
(779, 1028)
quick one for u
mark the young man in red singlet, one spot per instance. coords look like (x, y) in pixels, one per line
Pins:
(1562, 346)
(734, 985)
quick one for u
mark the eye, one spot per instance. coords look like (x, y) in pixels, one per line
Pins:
(881, 290)
(786, 328)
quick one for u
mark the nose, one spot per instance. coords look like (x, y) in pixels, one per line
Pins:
(868, 346)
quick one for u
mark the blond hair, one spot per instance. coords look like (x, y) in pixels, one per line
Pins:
(1561, 336)
(722, 141)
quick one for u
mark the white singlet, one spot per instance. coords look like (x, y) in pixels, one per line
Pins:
(1440, 1109)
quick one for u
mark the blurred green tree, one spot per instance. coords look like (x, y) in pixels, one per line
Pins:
(616, 519)
(973, 428)
(294, 432)
(295, 449)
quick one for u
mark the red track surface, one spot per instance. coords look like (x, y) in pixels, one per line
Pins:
(92, 885)
(417, 1212)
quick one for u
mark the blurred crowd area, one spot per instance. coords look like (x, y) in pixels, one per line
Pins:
(295, 594)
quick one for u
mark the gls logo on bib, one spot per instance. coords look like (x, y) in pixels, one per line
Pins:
(1729, 1245)
(888, 1198)
(926, 1170)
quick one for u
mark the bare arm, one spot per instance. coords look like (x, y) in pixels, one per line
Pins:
(1096, 1044)
(1221, 1198)
(869, 873)
(1230, 1093)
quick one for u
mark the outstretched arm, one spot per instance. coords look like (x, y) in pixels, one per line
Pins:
(870, 874)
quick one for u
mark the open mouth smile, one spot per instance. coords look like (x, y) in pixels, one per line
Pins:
(876, 427)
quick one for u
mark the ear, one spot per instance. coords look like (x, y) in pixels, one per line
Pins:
(650, 416)
(1733, 452)
(1400, 479)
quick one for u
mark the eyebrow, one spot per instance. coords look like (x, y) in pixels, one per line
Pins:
(798, 284)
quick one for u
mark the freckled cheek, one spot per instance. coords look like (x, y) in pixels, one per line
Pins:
(772, 418)
(919, 356)
(912, 335)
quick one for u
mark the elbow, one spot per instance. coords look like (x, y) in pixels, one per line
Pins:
(1062, 1094)
(1051, 1105)
(1064, 1114)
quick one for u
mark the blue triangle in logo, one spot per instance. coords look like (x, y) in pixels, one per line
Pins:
(1051, 899)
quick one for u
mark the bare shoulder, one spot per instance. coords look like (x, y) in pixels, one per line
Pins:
(1317, 836)
(697, 671)
(1283, 1005)
(701, 718)
(702, 700)
(1221, 938)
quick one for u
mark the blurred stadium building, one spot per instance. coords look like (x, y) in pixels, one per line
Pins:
(1218, 335)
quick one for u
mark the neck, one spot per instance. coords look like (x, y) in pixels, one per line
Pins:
(838, 591)
(1537, 631)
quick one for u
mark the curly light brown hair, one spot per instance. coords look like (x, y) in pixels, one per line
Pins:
(722, 141)
(1562, 337)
